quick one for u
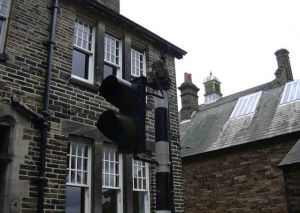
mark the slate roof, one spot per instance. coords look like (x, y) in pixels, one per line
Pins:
(293, 156)
(211, 129)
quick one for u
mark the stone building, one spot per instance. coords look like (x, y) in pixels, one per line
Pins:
(54, 54)
(241, 153)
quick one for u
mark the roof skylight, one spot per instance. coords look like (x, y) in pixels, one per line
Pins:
(291, 92)
(246, 105)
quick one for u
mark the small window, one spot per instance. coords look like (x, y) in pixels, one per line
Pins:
(78, 180)
(4, 13)
(137, 63)
(111, 181)
(140, 173)
(83, 52)
(291, 92)
(246, 105)
(112, 57)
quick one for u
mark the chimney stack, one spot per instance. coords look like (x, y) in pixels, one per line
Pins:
(284, 72)
(189, 97)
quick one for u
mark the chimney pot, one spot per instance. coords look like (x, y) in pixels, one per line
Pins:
(187, 77)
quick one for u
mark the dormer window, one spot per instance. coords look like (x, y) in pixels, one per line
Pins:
(246, 105)
(291, 92)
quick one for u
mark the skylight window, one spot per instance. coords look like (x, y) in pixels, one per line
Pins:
(291, 92)
(246, 105)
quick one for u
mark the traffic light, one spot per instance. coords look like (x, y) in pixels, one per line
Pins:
(125, 128)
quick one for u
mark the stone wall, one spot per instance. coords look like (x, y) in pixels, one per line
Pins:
(244, 179)
(23, 74)
(292, 187)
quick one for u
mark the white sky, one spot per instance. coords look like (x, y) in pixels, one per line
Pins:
(235, 39)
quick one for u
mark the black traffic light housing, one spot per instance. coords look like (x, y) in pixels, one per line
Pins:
(125, 128)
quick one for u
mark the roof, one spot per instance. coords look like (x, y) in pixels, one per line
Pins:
(293, 156)
(148, 35)
(211, 128)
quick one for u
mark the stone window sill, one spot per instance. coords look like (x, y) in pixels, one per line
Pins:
(85, 85)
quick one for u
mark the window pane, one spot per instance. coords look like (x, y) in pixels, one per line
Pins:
(73, 162)
(4, 7)
(109, 70)
(79, 164)
(106, 168)
(74, 199)
(79, 177)
(139, 202)
(109, 201)
(73, 145)
(80, 64)
(287, 93)
(298, 91)
(84, 180)
(72, 176)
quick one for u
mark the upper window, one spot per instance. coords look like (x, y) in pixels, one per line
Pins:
(140, 173)
(4, 12)
(112, 57)
(78, 188)
(246, 105)
(111, 181)
(83, 52)
(291, 92)
(137, 63)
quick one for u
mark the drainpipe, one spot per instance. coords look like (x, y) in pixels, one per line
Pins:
(45, 125)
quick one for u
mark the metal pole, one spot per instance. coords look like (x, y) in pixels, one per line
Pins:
(162, 154)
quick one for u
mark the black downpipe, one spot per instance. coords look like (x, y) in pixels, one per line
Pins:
(45, 125)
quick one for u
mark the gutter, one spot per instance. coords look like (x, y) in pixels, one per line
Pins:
(44, 128)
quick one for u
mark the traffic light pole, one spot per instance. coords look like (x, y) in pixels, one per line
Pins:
(162, 154)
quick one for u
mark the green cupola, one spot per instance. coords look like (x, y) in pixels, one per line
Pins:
(212, 89)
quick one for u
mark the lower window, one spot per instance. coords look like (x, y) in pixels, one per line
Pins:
(140, 173)
(78, 188)
(111, 181)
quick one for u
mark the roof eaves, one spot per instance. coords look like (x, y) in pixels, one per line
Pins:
(147, 34)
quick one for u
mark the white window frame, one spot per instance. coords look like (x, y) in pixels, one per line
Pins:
(111, 53)
(90, 53)
(141, 165)
(135, 52)
(293, 90)
(246, 105)
(120, 175)
(87, 186)
(4, 18)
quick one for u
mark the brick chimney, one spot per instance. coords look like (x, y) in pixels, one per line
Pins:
(112, 4)
(284, 72)
(189, 97)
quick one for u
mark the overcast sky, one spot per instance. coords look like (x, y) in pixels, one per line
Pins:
(235, 39)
